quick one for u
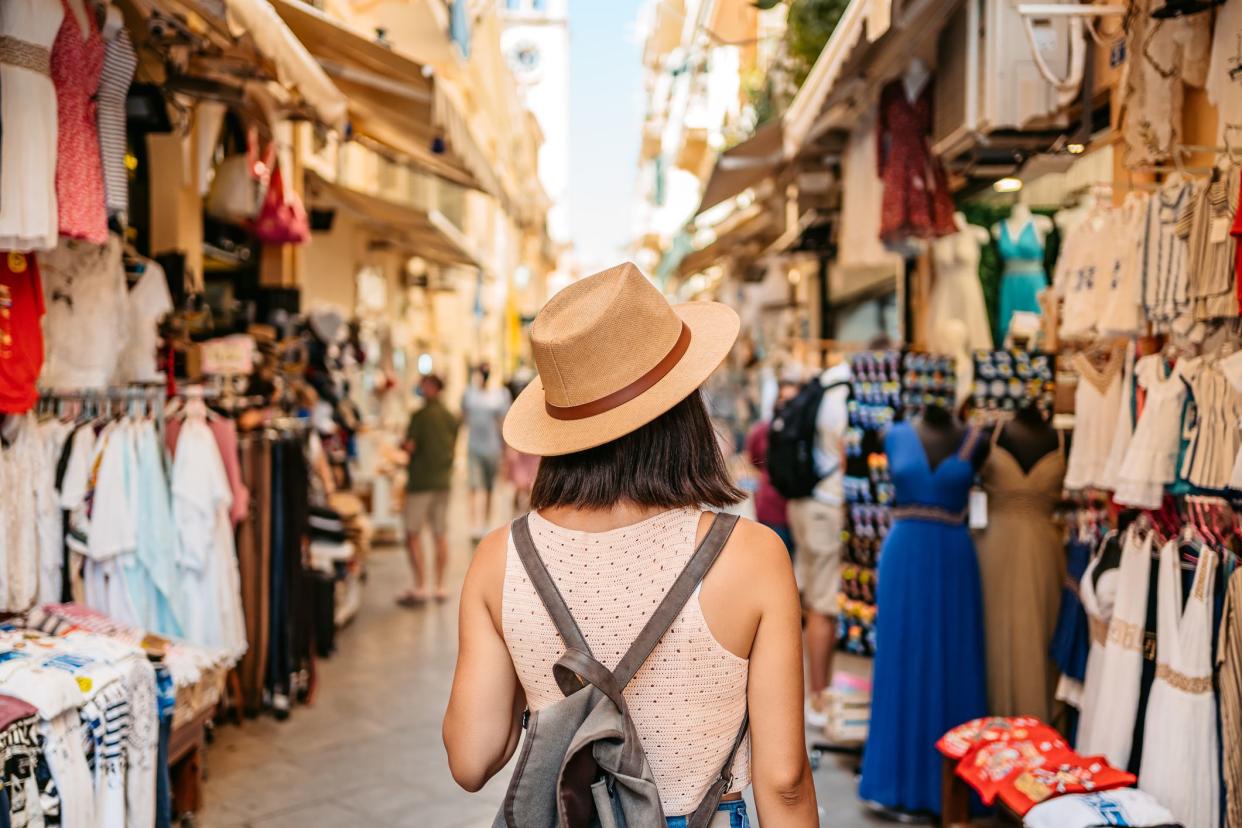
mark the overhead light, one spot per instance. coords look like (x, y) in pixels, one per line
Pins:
(1075, 149)
(795, 276)
(1008, 185)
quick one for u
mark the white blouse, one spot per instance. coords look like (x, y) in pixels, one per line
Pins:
(1095, 420)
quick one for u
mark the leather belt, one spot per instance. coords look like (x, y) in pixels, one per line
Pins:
(934, 514)
(14, 52)
(620, 397)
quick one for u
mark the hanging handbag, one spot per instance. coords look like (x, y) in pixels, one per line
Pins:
(282, 218)
(238, 185)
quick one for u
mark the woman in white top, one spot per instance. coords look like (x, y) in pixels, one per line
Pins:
(630, 461)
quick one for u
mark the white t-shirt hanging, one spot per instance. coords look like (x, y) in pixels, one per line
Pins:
(114, 532)
(1122, 311)
(1224, 85)
(149, 301)
(87, 313)
(1083, 274)
(211, 582)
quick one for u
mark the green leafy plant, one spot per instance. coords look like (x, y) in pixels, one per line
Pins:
(810, 24)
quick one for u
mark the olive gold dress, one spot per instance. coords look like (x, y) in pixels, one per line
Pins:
(1022, 567)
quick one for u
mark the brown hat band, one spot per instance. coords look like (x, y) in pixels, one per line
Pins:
(620, 397)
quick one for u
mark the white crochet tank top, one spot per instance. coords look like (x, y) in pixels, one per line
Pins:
(688, 700)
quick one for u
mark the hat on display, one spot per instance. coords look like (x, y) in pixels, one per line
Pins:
(612, 356)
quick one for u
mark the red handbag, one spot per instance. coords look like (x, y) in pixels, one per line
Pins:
(282, 218)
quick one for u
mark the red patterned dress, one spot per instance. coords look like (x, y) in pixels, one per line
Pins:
(77, 62)
(916, 201)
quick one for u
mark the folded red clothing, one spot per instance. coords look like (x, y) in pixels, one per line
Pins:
(965, 738)
(1069, 775)
(990, 765)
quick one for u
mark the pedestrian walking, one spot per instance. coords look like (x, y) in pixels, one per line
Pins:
(430, 441)
(483, 408)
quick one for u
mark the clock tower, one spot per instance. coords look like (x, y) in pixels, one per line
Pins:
(536, 44)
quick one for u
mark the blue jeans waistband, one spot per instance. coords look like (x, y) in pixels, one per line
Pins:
(736, 809)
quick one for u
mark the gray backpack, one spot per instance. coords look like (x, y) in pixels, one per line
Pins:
(582, 764)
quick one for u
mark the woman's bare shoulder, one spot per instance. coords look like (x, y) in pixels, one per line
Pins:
(752, 577)
(753, 550)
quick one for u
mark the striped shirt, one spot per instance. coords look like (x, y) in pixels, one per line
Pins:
(1229, 659)
(1164, 256)
(1205, 225)
(120, 61)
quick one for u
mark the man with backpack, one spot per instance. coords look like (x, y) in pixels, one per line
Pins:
(806, 463)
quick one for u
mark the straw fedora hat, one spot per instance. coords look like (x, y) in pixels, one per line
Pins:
(612, 356)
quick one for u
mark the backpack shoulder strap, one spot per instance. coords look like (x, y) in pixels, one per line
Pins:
(670, 607)
(702, 816)
(548, 592)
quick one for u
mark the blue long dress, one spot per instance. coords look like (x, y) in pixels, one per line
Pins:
(929, 666)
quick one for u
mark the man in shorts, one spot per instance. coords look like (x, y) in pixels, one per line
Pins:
(815, 523)
(430, 441)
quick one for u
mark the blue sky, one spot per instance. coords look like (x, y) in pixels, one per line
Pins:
(605, 119)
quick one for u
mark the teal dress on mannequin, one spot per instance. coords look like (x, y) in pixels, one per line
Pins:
(1024, 275)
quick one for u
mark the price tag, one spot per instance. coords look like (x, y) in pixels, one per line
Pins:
(978, 509)
(1219, 230)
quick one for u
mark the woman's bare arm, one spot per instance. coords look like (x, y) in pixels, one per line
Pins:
(482, 723)
(780, 770)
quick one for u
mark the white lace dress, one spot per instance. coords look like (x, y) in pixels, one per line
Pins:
(1111, 703)
(1181, 767)
(28, 219)
(1099, 594)
(1151, 458)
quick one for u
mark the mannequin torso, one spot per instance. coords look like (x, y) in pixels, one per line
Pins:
(1029, 438)
(1019, 219)
(942, 434)
(915, 79)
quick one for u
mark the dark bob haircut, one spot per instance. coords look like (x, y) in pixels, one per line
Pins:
(672, 462)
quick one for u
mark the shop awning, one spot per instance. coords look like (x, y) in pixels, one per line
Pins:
(745, 165)
(424, 233)
(294, 64)
(741, 228)
(248, 42)
(392, 99)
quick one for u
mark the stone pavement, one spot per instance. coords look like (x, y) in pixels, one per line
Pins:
(368, 751)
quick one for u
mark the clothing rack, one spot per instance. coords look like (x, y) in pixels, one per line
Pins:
(151, 394)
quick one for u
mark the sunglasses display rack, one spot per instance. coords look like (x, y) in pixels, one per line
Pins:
(1007, 381)
(886, 386)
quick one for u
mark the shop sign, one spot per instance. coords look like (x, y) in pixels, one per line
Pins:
(228, 356)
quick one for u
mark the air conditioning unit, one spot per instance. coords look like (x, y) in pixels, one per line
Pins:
(994, 83)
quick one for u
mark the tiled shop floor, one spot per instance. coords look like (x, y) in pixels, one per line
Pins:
(368, 751)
